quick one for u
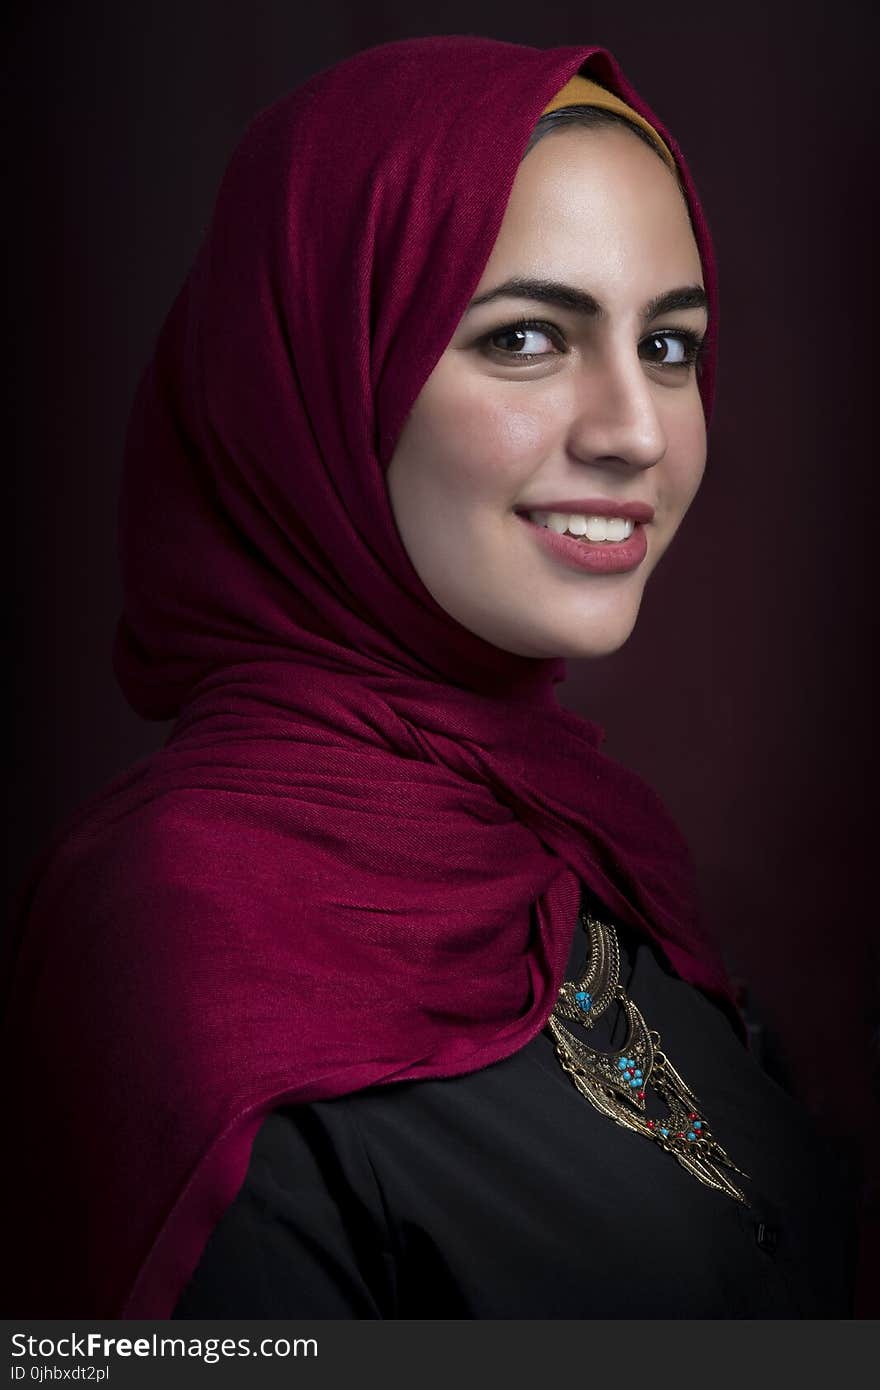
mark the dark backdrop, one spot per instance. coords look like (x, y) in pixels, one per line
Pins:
(745, 695)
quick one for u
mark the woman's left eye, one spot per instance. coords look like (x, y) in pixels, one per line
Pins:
(680, 348)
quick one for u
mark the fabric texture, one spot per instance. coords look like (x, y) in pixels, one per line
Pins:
(357, 858)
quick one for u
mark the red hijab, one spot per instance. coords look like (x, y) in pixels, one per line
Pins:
(357, 859)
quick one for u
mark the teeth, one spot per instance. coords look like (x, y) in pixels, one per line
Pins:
(595, 528)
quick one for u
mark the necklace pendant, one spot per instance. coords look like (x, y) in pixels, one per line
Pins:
(617, 1083)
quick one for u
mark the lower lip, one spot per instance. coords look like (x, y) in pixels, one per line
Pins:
(609, 557)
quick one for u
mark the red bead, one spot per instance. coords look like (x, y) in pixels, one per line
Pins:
(693, 1115)
(680, 1134)
(651, 1124)
(641, 1095)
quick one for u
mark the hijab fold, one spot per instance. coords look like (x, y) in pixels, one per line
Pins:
(358, 857)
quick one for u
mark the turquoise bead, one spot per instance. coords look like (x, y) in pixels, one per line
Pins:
(691, 1134)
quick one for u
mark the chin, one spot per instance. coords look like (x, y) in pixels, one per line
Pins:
(598, 627)
(597, 634)
(585, 641)
(604, 646)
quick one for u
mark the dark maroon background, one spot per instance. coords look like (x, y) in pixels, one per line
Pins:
(745, 695)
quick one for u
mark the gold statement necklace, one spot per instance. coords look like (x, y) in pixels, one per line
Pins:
(617, 1083)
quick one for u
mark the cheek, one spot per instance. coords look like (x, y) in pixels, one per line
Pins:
(478, 437)
(687, 450)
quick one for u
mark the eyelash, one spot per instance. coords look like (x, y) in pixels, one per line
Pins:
(694, 343)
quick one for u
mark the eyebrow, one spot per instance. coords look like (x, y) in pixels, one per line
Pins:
(580, 302)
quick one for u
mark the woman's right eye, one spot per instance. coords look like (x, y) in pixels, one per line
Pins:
(518, 335)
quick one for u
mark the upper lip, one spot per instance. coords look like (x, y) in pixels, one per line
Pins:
(595, 506)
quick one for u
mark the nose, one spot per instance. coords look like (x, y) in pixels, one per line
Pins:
(617, 421)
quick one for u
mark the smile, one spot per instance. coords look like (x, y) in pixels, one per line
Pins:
(580, 551)
(600, 530)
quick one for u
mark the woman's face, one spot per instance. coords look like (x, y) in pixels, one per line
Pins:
(604, 418)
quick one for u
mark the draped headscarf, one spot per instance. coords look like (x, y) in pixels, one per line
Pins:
(358, 857)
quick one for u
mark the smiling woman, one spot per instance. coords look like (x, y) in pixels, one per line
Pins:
(600, 418)
(380, 991)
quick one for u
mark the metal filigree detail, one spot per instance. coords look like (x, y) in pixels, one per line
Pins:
(616, 1083)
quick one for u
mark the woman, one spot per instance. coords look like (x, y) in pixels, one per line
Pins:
(379, 990)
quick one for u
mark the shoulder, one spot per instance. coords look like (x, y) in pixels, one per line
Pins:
(306, 1234)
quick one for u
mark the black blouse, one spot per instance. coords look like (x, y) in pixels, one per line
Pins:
(504, 1194)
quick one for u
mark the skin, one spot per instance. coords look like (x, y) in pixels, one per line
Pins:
(599, 414)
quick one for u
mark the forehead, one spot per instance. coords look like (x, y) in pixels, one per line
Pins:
(595, 204)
